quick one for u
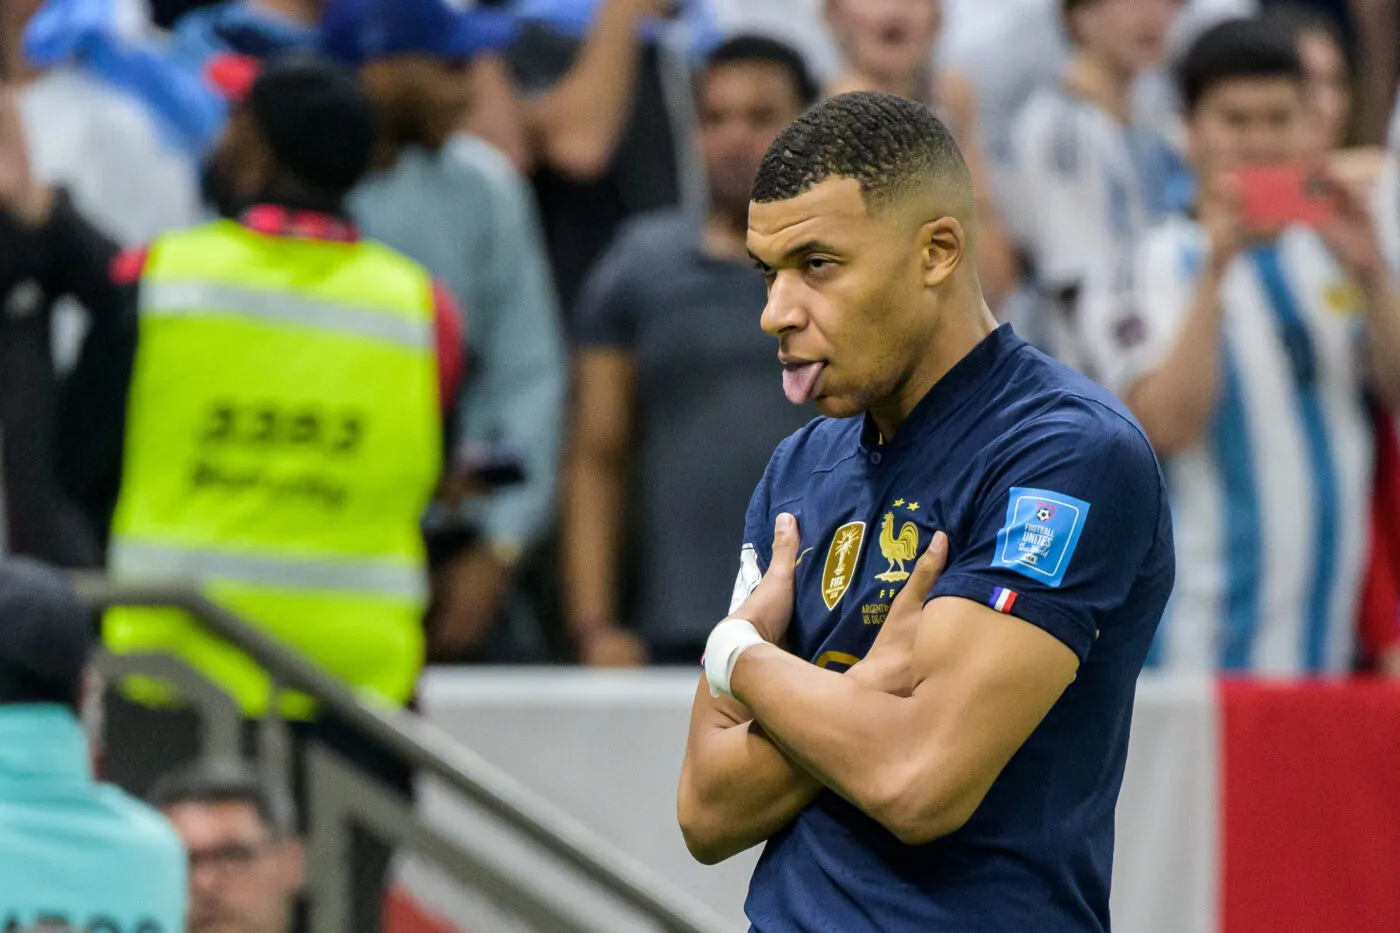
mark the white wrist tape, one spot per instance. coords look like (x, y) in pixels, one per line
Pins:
(727, 641)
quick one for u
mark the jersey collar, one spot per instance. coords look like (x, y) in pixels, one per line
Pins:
(949, 393)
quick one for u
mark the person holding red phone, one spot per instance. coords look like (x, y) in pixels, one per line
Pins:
(1255, 331)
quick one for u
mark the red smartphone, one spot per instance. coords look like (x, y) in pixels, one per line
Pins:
(1274, 196)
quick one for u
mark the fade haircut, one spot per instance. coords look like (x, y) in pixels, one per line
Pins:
(889, 145)
(1238, 50)
(228, 782)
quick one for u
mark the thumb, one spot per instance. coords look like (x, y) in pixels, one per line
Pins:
(926, 571)
(785, 540)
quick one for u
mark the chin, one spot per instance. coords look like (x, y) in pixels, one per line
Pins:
(838, 407)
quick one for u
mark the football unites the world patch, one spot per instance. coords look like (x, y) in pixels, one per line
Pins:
(1041, 532)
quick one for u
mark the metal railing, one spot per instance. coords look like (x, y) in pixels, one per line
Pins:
(428, 750)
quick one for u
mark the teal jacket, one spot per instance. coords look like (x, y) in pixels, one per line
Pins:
(74, 849)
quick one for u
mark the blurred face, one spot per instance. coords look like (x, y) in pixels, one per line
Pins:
(425, 99)
(743, 108)
(242, 879)
(885, 37)
(846, 295)
(1248, 121)
(1130, 36)
(1328, 92)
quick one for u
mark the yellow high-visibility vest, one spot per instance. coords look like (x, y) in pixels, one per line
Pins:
(283, 438)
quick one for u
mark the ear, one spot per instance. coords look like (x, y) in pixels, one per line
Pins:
(942, 243)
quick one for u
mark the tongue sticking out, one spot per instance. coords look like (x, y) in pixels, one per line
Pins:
(800, 381)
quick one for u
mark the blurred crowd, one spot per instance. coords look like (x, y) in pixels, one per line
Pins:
(574, 175)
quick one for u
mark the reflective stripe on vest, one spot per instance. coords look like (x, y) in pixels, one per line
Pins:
(208, 298)
(162, 563)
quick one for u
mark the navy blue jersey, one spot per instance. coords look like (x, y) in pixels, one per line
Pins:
(1055, 513)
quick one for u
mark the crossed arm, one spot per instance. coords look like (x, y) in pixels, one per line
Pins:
(914, 735)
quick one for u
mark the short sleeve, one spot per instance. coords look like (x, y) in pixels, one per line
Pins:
(609, 304)
(756, 550)
(1064, 524)
(1128, 331)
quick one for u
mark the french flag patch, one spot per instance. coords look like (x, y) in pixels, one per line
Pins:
(1002, 599)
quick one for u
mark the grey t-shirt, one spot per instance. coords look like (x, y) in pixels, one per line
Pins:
(709, 411)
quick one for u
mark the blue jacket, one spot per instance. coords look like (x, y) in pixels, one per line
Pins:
(72, 848)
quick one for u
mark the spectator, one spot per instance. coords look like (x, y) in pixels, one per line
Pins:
(106, 151)
(1240, 355)
(609, 113)
(669, 351)
(1088, 180)
(246, 860)
(452, 203)
(1329, 93)
(343, 433)
(1329, 79)
(888, 47)
(75, 852)
(261, 28)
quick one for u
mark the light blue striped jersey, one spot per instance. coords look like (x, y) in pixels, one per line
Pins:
(1271, 505)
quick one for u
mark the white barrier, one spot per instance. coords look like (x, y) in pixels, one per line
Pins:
(607, 748)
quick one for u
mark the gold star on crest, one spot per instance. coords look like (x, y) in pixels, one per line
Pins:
(898, 503)
(913, 506)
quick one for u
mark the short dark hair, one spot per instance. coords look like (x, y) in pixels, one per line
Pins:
(1237, 49)
(744, 49)
(886, 143)
(228, 782)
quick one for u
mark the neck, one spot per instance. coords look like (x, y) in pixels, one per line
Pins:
(914, 86)
(958, 331)
(725, 233)
(1094, 79)
(306, 12)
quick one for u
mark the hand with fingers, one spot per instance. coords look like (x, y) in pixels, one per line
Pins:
(769, 606)
(888, 665)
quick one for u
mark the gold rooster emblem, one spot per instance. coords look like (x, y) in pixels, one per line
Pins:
(897, 550)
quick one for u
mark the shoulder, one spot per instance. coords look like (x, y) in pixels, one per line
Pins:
(663, 230)
(145, 830)
(1072, 416)
(471, 156)
(1047, 130)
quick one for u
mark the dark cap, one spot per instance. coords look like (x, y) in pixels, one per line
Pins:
(46, 635)
(316, 117)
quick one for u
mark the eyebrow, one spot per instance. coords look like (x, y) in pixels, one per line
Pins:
(801, 249)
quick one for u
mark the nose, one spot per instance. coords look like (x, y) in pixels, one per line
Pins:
(784, 313)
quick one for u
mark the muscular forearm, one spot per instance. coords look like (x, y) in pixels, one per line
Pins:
(592, 533)
(577, 124)
(1175, 402)
(851, 737)
(737, 788)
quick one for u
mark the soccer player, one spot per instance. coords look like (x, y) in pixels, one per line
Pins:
(922, 752)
